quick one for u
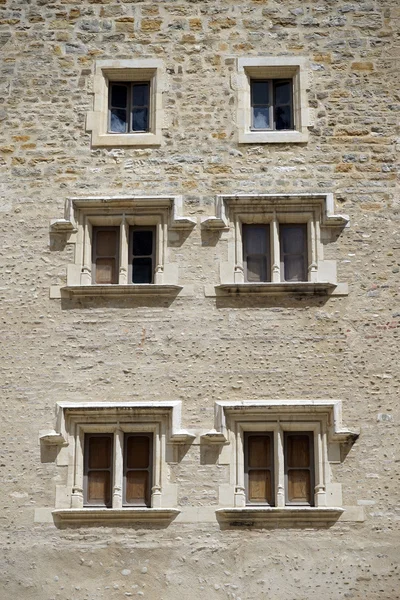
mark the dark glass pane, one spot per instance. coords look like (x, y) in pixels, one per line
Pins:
(282, 92)
(118, 120)
(140, 94)
(119, 95)
(294, 268)
(299, 486)
(138, 452)
(142, 243)
(256, 239)
(99, 452)
(137, 486)
(142, 271)
(283, 117)
(259, 451)
(256, 268)
(260, 92)
(260, 488)
(261, 118)
(140, 119)
(294, 239)
(99, 488)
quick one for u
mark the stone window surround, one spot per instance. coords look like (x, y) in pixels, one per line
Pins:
(273, 67)
(74, 419)
(82, 213)
(143, 69)
(322, 417)
(315, 209)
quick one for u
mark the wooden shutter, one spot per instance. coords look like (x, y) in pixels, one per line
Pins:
(98, 469)
(293, 243)
(138, 468)
(299, 468)
(142, 263)
(259, 461)
(105, 254)
(256, 252)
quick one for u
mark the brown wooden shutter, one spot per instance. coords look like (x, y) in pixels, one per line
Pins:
(259, 468)
(98, 469)
(105, 254)
(256, 253)
(138, 468)
(299, 468)
(293, 243)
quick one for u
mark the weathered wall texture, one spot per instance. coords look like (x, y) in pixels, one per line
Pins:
(194, 348)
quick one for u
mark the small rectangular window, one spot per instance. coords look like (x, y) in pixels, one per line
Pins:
(271, 104)
(105, 254)
(259, 461)
(256, 253)
(293, 247)
(138, 469)
(299, 468)
(129, 107)
(98, 469)
(142, 253)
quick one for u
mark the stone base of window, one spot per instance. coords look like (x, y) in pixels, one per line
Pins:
(273, 137)
(140, 289)
(114, 516)
(288, 516)
(322, 288)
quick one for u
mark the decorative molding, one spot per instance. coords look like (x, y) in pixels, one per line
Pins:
(51, 438)
(288, 516)
(321, 288)
(142, 289)
(114, 516)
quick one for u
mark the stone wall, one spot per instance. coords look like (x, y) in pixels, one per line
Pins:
(196, 348)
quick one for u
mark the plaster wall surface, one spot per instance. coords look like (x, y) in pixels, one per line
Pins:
(197, 348)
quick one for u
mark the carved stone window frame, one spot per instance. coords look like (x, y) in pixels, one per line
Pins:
(83, 213)
(75, 419)
(314, 209)
(321, 417)
(106, 71)
(273, 67)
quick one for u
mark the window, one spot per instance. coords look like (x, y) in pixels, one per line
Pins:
(121, 244)
(279, 454)
(127, 103)
(276, 243)
(272, 100)
(129, 107)
(271, 104)
(117, 457)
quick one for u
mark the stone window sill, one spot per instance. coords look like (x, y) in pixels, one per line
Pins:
(273, 137)
(321, 288)
(140, 289)
(113, 516)
(288, 516)
(115, 140)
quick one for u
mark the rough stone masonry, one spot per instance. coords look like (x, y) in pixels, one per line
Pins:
(195, 346)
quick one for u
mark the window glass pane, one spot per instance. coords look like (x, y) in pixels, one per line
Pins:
(138, 452)
(256, 269)
(119, 95)
(136, 491)
(140, 94)
(140, 119)
(259, 451)
(261, 118)
(99, 488)
(142, 243)
(99, 452)
(260, 92)
(282, 92)
(118, 120)
(293, 239)
(294, 268)
(260, 486)
(299, 486)
(298, 450)
(106, 242)
(283, 117)
(142, 270)
(256, 239)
